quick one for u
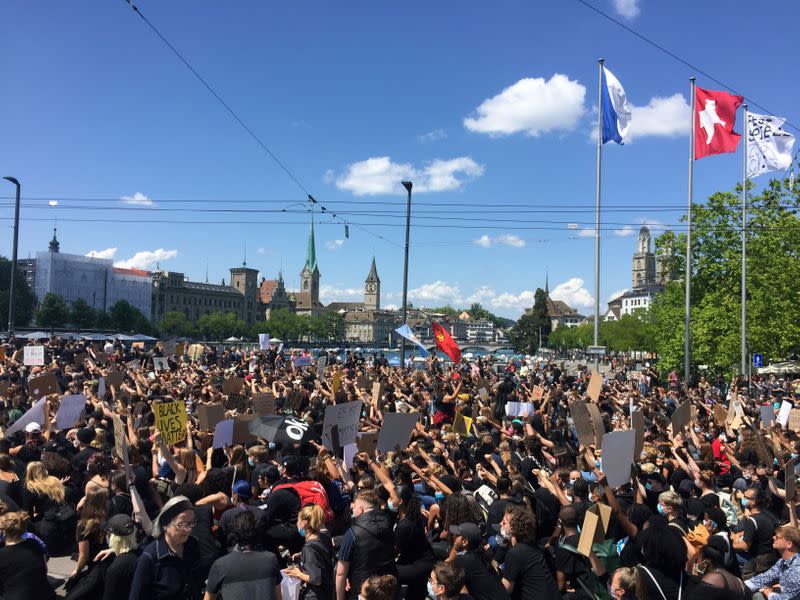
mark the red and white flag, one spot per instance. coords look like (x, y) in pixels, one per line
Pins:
(714, 118)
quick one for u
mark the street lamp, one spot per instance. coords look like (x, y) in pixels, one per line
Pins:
(408, 185)
(12, 292)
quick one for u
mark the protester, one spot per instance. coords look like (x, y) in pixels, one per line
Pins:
(317, 557)
(23, 568)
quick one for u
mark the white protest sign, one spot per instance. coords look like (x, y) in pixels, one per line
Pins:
(345, 417)
(516, 409)
(263, 341)
(396, 430)
(223, 434)
(101, 388)
(350, 451)
(33, 356)
(617, 457)
(35, 414)
(769, 148)
(69, 411)
(783, 414)
(160, 363)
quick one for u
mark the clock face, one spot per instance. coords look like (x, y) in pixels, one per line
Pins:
(371, 288)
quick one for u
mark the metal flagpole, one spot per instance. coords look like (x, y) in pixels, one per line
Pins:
(597, 211)
(744, 246)
(686, 332)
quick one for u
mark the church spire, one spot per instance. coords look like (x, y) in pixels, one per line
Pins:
(54, 245)
(547, 282)
(373, 272)
(311, 253)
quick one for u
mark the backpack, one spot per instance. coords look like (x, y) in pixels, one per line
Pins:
(310, 492)
(589, 581)
(728, 508)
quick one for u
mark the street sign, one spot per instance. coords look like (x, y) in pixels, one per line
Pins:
(758, 360)
(601, 350)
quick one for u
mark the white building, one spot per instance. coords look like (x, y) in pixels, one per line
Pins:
(480, 331)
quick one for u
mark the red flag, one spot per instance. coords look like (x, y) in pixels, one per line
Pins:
(714, 117)
(445, 343)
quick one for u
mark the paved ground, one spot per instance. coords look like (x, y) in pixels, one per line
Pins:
(58, 570)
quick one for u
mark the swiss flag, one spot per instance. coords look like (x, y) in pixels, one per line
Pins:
(445, 343)
(714, 117)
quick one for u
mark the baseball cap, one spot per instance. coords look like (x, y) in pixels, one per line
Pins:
(120, 525)
(242, 489)
(469, 531)
(33, 428)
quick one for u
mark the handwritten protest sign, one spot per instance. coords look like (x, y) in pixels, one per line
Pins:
(44, 385)
(263, 341)
(33, 356)
(69, 411)
(345, 417)
(519, 409)
(322, 362)
(767, 415)
(195, 352)
(538, 392)
(171, 420)
(120, 438)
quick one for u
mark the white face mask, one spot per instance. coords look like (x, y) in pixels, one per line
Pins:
(505, 532)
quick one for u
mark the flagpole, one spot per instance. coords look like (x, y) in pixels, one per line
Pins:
(597, 210)
(686, 331)
(744, 246)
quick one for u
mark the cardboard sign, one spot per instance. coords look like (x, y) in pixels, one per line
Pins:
(232, 385)
(69, 411)
(241, 429)
(377, 392)
(484, 394)
(595, 525)
(120, 437)
(618, 456)
(783, 414)
(794, 419)
(264, 404)
(223, 434)
(595, 386)
(396, 431)
(195, 352)
(345, 417)
(33, 356)
(337, 381)
(583, 422)
(35, 414)
(322, 362)
(263, 341)
(597, 424)
(720, 415)
(637, 424)
(209, 415)
(41, 386)
(115, 377)
(367, 441)
(160, 364)
(681, 418)
(171, 420)
(789, 480)
(462, 424)
(767, 415)
(538, 392)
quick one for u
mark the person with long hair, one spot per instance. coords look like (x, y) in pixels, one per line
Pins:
(89, 532)
(23, 567)
(526, 574)
(661, 573)
(98, 473)
(43, 497)
(717, 582)
(316, 558)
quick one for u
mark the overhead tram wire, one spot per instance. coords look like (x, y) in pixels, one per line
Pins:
(241, 122)
(681, 60)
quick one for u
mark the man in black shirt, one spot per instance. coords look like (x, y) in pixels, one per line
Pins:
(280, 511)
(526, 574)
(480, 582)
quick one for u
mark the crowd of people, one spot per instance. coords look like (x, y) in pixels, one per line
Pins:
(479, 504)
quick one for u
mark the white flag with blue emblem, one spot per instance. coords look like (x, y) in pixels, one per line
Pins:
(406, 332)
(616, 112)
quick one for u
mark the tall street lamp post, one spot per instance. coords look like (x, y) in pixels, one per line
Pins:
(12, 291)
(408, 185)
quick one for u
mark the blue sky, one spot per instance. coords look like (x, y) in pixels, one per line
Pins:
(488, 108)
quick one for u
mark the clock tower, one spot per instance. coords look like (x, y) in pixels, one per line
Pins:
(372, 289)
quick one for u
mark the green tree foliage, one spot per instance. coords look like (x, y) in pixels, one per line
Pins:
(25, 298)
(630, 333)
(220, 325)
(773, 272)
(53, 311)
(524, 336)
(126, 317)
(175, 323)
(82, 315)
(102, 320)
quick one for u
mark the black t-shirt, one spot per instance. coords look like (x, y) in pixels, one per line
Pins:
(758, 532)
(245, 576)
(411, 543)
(23, 574)
(526, 568)
(572, 564)
(496, 511)
(481, 583)
(119, 575)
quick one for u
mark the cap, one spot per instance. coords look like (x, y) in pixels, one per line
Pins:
(470, 532)
(120, 525)
(33, 428)
(86, 435)
(242, 489)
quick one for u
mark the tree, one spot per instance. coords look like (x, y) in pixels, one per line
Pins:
(282, 324)
(532, 326)
(53, 312)
(773, 270)
(220, 325)
(125, 316)
(82, 315)
(25, 299)
(332, 326)
(175, 323)
(102, 320)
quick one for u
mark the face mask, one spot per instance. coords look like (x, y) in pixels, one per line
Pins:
(272, 445)
(776, 405)
(568, 497)
(597, 463)
(439, 496)
(795, 454)
(430, 590)
(506, 533)
(661, 510)
(744, 502)
(391, 506)
(697, 430)
(301, 531)
(700, 571)
(251, 462)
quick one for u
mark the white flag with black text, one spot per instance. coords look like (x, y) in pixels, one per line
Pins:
(769, 148)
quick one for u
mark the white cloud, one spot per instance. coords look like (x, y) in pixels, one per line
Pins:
(379, 175)
(329, 176)
(138, 199)
(107, 253)
(661, 117)
(391, 307)
(146, 259)
(261, 250)
(531, 105)
(507, 239)
(624, 231)
(436, 293)
(573, 293)
(433, 136)
(484, 241)
(627, 8)
(329, 293)
(585, 232)
(334, 244)
(617, 294)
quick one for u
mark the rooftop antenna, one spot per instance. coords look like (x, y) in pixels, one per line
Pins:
(206, 270)
(244, 262)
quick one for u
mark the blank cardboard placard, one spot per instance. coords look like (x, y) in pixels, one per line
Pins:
(232, 385)
(120, 438)
(160, 363)
(345, 417)
(789, 480)
(241, 429)
(264, 404)
(583, 422)
(681, 418)
(367, 441)
(209, 415)
(171, 420)
(618, 456)
(114, 377)
(794, 419)
(223, 434)
(595, 525)
(767, 415)
(597, 424)
(484, 394)
(720, 414)
(35, 414)
(377, 392)
(39, 387)
(33, 356)
(637, 424)
(396, 431)
(69, 411)
(595, 386)
(462, 424)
